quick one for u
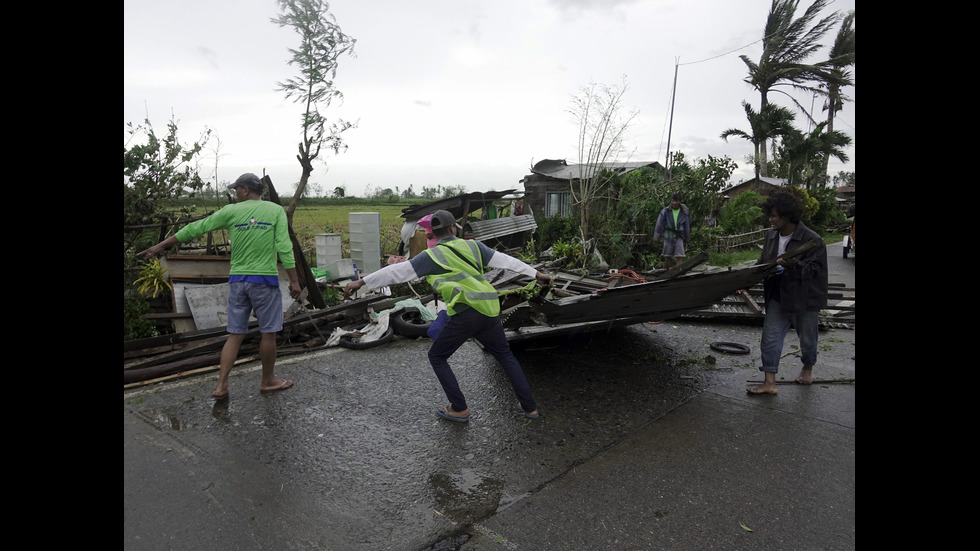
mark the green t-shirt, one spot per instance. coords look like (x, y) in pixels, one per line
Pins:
(259, 233)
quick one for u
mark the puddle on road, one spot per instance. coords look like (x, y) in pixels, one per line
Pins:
(163, 419)
(465, 496)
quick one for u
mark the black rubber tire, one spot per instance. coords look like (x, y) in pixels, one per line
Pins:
(846, 250)
(354, 343)
(730, 347)
(409, 323)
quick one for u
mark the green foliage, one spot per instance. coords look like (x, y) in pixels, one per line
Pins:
(828, 214)
(800, 158)
(742, 214)
(573, 253)
(152, 280)
(321, 44)
(733, 258)
(134, 326)
(553, 229)
(528, 254)
(625, 228)
(156, 174)
(810, 204)
(157, 171)
(703, 238)
(332, 296)
(701, 185)
(529, 291)
(772, 121)
(618, 250)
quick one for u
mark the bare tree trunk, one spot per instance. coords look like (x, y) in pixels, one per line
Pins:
(306, 278)
(763, 154)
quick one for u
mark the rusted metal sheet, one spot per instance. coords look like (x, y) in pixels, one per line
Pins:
(499, 227)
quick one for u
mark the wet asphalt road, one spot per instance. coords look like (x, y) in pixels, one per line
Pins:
(647, 440)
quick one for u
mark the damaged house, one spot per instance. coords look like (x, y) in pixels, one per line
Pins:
(548, 188)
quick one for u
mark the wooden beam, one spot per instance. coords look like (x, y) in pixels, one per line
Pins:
(748, 300)
(684, 267)
(306, 278)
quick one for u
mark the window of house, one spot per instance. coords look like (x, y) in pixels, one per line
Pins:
(557, 203)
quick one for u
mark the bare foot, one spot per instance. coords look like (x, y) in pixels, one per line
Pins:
(220, 394)
(806, 376)
(281, 384)
(765, 388)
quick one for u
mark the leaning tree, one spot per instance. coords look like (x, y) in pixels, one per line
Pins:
(321, 44)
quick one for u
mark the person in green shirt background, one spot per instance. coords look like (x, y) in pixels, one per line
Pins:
(674, 225)
(259, 236)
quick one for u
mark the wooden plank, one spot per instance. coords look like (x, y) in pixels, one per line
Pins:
(749, 301)
(684, 267)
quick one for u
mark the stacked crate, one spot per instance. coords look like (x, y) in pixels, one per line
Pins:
(365, 241)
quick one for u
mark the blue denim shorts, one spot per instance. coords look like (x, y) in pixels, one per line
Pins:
(265, 300)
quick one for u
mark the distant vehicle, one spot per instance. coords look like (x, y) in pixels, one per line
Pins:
(849, 241)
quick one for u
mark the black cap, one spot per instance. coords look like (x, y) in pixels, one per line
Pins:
(249, 180)
(442, 219)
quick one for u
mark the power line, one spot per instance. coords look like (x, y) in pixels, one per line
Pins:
(724, 54)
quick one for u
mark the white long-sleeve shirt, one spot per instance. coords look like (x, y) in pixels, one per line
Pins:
(422, 265)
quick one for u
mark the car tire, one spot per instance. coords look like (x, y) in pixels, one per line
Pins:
(355, 343)
(730, 347)
(408, 322)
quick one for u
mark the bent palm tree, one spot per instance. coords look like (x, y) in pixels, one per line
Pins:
(841, 58)
(772, 121)
(786, 43)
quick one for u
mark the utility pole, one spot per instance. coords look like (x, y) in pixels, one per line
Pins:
(670, 128)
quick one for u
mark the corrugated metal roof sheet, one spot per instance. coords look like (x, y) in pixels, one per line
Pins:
(499, 227)
(561, 170)
(470, 202)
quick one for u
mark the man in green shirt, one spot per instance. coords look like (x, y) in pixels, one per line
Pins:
(259, 234)
(674, 226)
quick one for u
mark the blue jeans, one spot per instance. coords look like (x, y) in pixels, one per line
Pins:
(774, 331)
(489, 332)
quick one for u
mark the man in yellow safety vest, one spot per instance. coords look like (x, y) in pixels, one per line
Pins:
(454, 268)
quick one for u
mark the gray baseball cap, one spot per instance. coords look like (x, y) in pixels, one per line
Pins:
(442, 219)
(249, 180)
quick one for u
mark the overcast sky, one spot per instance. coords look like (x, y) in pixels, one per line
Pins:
(452, 92)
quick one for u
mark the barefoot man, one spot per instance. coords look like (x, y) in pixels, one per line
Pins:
(795, 294)
(259, 236)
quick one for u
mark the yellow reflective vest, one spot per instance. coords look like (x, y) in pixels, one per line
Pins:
(464, 282)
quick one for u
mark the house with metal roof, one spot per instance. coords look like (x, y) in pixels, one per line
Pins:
(763, 185)
(547, 190)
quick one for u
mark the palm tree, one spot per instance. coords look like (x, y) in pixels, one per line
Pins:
(841, 58)
(802, 156)
(772, 121)
(786, 43)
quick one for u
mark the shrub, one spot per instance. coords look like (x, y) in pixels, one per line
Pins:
(828, 214)
(134, 326)
(742, 214)
(703, 239)
(554, 229)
